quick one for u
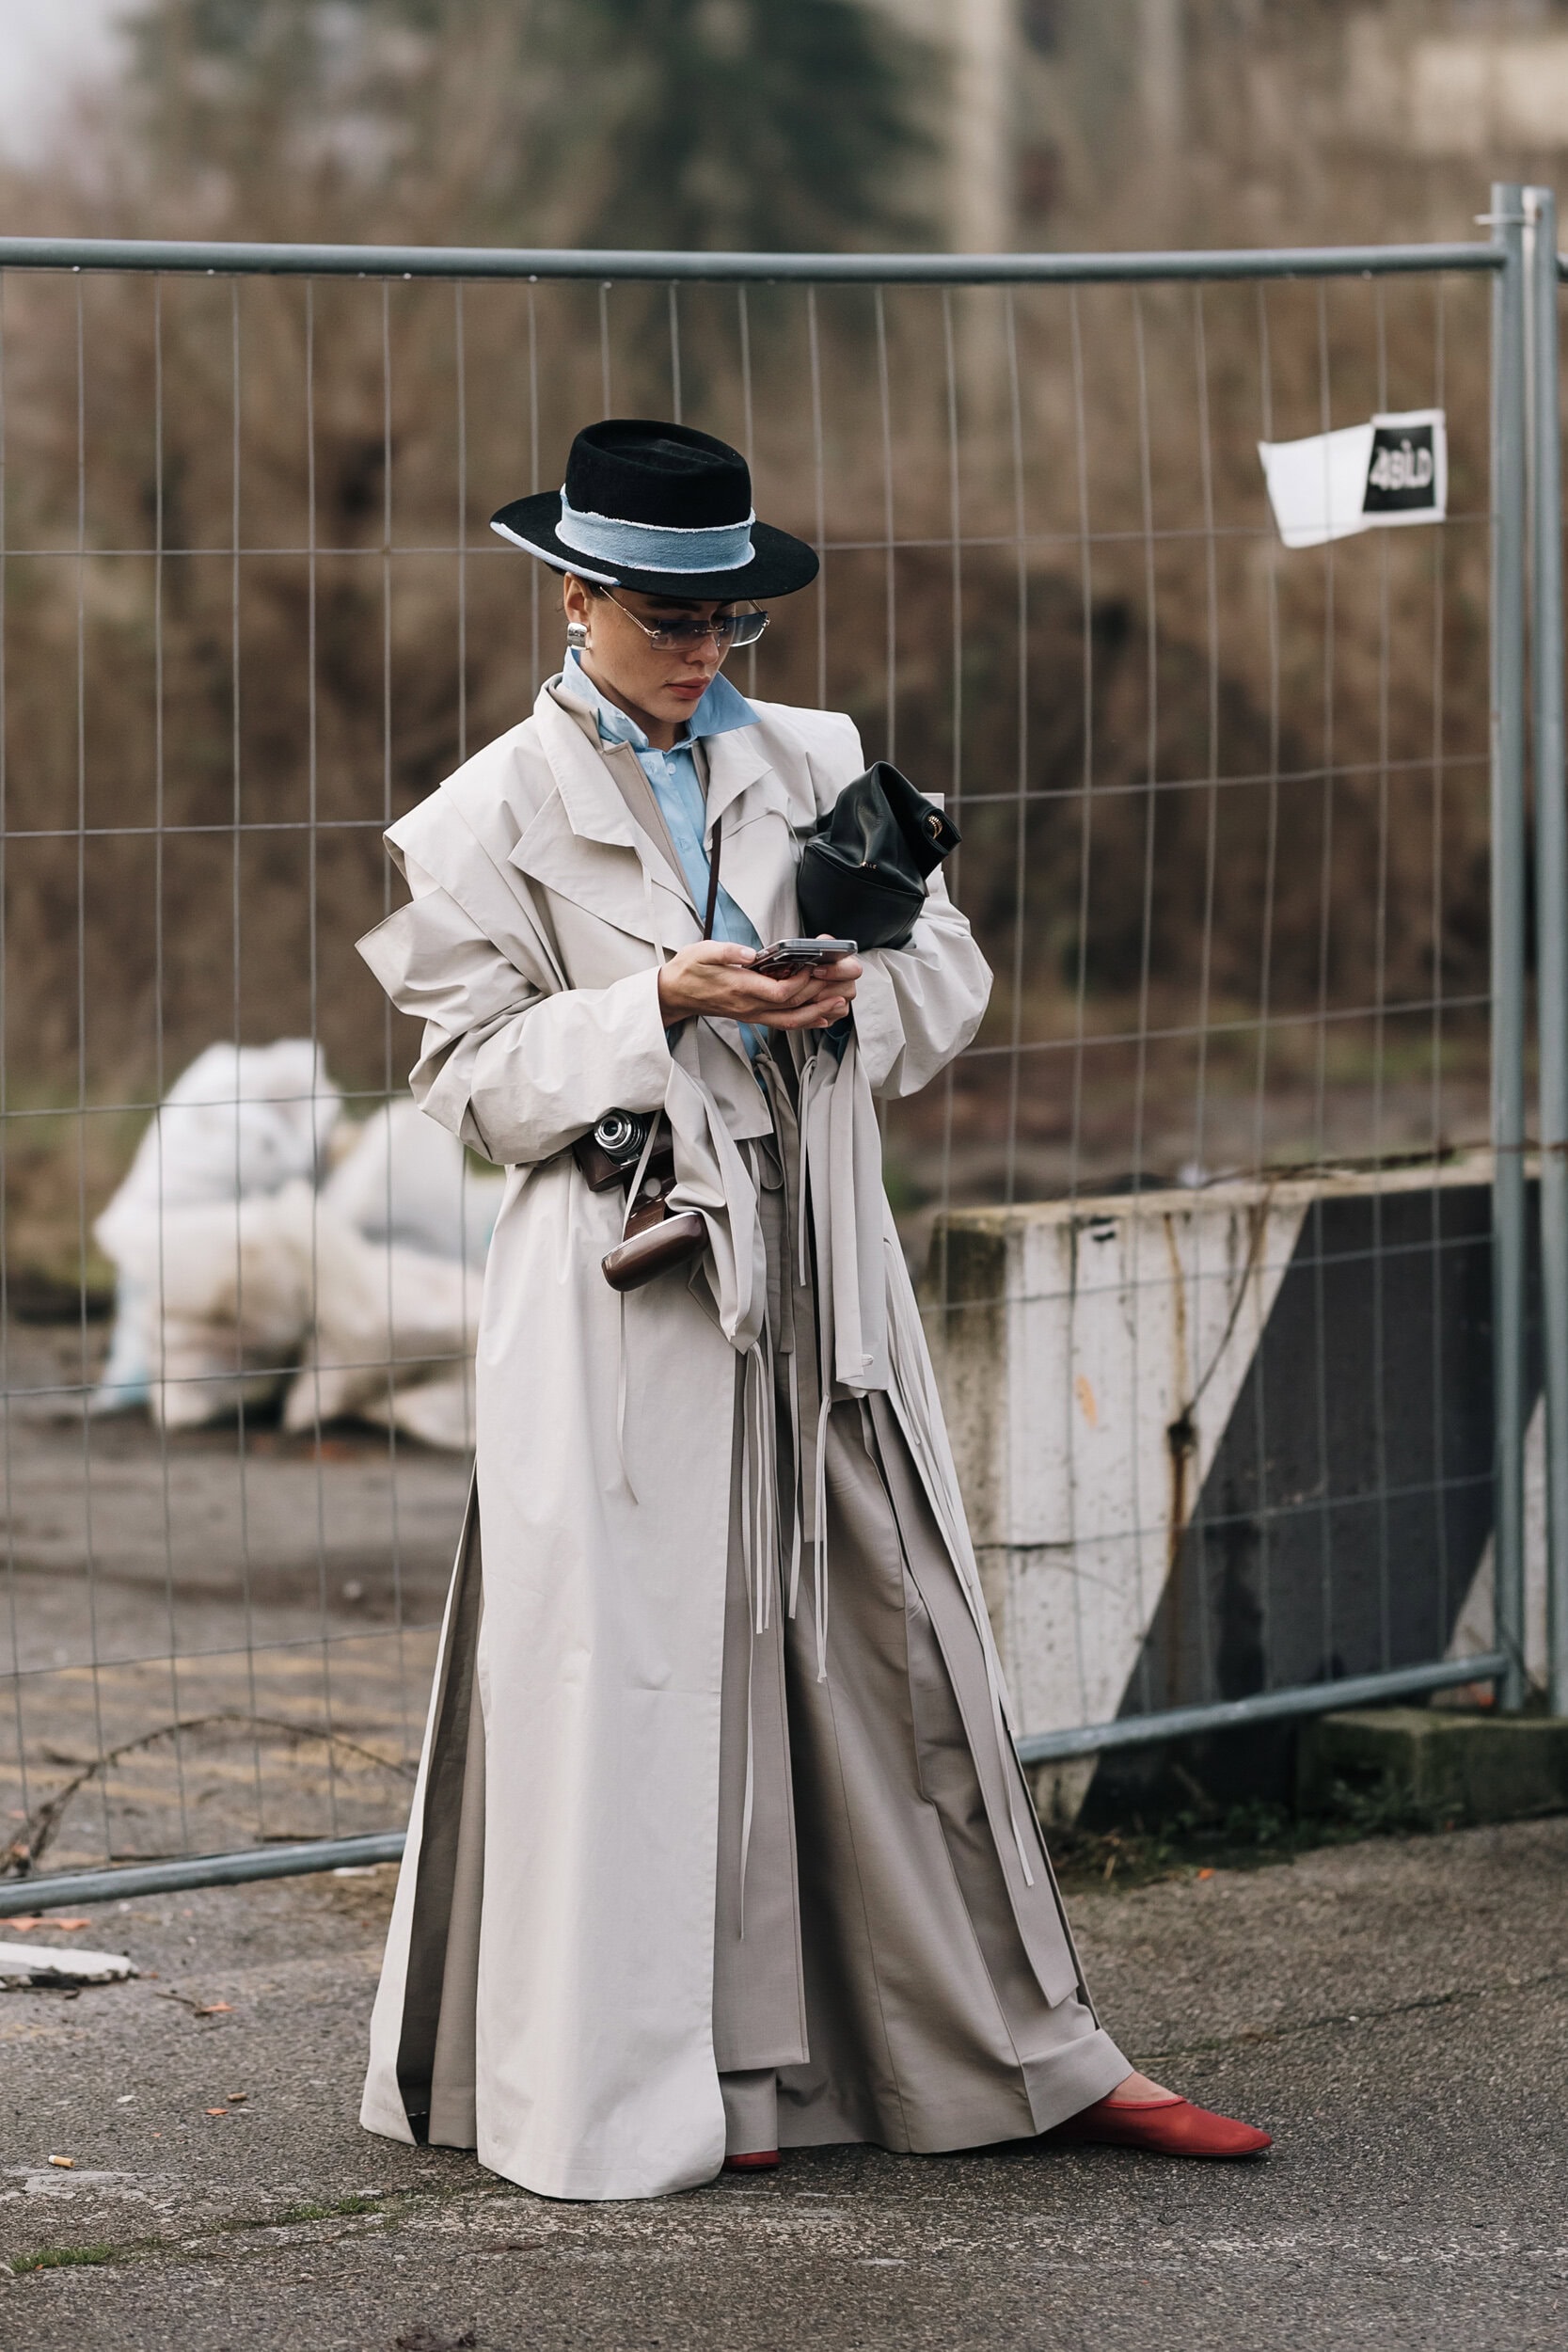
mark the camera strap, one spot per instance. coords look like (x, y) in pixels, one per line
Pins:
(713, 877)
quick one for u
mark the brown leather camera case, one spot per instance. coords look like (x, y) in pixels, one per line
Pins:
(651, 1249)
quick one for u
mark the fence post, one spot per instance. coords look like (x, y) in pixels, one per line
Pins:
(1507, 926)
(1551, 904)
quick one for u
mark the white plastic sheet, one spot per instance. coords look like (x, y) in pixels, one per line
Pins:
(241, 1282)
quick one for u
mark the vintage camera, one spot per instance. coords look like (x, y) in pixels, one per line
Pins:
(621, 1134)
(608, 1153)
(653, 1239)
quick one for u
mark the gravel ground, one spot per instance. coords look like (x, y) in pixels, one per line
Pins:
(1396, 2013)
(245, 1623)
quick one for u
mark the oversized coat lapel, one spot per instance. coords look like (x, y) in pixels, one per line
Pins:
(583, 844)
(756, 863)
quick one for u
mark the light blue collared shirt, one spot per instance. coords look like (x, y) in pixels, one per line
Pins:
(677, 787)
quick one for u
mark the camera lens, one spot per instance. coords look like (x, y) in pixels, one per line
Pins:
(621, 1134)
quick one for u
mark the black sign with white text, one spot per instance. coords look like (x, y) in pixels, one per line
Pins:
(1402, 477)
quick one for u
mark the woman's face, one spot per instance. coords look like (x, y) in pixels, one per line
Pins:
(648, 682)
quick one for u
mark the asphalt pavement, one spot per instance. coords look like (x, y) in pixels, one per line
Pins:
(1396, 2013)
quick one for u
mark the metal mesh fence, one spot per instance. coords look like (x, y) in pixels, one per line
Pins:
(1227, 843)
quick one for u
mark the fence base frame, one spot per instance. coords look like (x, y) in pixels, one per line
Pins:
(1312, 1699)
(202, 1869)
(1044, 1747)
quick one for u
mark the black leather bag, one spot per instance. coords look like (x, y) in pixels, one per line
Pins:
(862, 873)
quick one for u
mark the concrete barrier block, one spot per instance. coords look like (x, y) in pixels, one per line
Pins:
(1225, 1441)
(1437, 1762)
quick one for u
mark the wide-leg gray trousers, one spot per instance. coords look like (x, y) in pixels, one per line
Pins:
(885, 1969)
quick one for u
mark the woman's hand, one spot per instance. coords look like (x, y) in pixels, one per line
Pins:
(713, 977)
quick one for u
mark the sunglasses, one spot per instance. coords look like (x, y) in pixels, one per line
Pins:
(726, 628)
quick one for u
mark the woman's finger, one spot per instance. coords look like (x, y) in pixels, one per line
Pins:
(724, 952)
(819, 1016)
(821, 995)
(767, 995)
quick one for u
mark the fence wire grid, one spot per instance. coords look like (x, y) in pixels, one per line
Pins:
(1226, 845)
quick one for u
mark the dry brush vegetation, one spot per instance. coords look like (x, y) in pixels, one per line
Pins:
(1210, 791)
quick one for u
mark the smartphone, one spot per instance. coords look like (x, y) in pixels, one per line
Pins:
(788, 956)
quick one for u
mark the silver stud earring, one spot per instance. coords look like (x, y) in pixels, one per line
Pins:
(577, 635)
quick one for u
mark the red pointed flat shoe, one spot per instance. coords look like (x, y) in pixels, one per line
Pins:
(760, 2160)
(1166, 2128)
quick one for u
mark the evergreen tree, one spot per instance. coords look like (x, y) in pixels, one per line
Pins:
(772, 124)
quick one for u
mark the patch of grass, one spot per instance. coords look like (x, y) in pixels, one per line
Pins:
(63, 2258)
(321, 2213)
(67, 2257)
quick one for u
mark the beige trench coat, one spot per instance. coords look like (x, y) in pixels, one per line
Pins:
(605, 1426)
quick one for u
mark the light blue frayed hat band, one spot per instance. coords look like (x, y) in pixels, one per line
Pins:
(651, 546)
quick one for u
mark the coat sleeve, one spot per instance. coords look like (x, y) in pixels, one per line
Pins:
(515, 1067)
(918, 1005)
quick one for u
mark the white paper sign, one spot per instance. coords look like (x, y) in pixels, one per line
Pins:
(1393, 469)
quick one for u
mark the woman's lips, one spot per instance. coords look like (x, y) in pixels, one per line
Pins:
(693, 687)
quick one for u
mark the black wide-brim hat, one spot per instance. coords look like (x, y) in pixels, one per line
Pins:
(661, 508)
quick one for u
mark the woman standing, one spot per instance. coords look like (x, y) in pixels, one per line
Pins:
(719, 1842)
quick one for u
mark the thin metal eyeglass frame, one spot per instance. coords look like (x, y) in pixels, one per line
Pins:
(725, 632)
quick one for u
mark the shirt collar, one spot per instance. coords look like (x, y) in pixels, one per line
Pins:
(722, 708)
